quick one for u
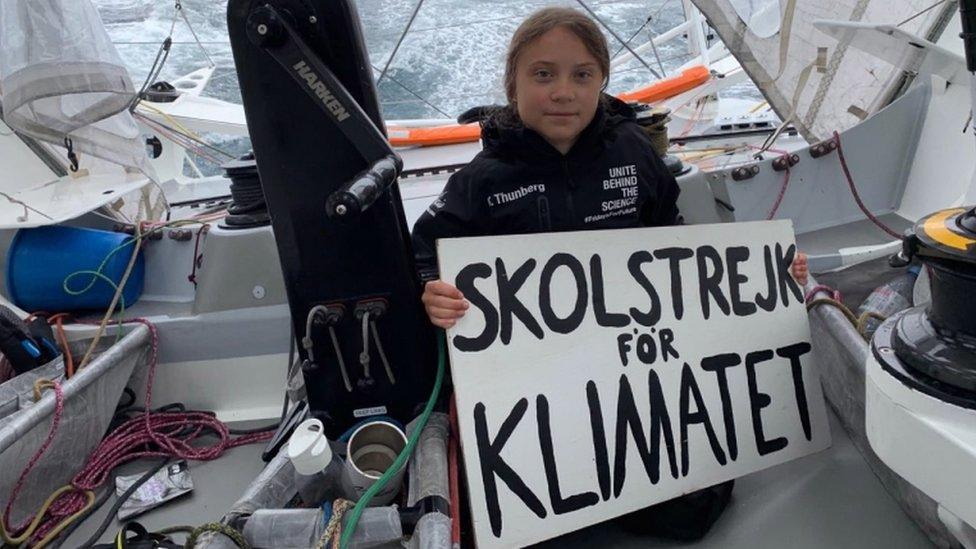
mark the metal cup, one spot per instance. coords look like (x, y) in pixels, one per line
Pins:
(372, 449)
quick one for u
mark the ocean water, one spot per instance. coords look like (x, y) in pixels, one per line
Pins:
(451, 58)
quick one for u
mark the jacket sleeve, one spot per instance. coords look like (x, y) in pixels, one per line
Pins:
(457, 212)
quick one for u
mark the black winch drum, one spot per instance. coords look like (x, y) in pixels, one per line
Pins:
(932, 348)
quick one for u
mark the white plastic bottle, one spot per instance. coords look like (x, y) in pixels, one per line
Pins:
(317, 469)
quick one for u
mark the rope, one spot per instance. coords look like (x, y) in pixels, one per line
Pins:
(156, 68)
(219, 528)
(782, 190)
(27, 208)
(400, 41)
(150, 434)
(120, 501)
(926, 10)
(801, 84)
(413, 93)
(857, 197)
(197, 255)
(333, 530)
(859, 322)
(158, 429)
(176, 123)
(379, 348)
(695, 118)
(619, 39)
(342, 361)
(115, 298)
(33, 525)
(862, 321)
(58, 322)
(657, 54)
(183, 134)
(9, 532)
(660, 142)
(179, 10)
(837, 304)
(834, 294)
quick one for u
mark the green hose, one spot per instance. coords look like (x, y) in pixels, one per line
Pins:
(401, 459)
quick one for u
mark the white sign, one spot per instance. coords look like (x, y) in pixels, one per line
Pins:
(597, 373)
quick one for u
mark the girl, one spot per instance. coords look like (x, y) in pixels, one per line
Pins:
(545, 157)
(546, 154)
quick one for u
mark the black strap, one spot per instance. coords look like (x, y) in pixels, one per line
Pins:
(143, 539)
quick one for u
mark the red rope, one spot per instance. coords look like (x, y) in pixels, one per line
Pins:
(58, 411)
(147, 435)
(834, 294)
(786, 177)
(62, 337)
(857, 197)
(782, 189)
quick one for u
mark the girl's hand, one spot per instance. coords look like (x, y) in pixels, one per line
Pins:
(444, 303)
(799, 268)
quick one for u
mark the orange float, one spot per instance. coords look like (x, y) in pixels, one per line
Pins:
(669, 87)
(466, 133)
(436, 135)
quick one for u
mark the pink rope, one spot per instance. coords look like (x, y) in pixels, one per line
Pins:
(782, 189)
(786, 178)
(857, 197)
(58, 410)
(834, 294)
(146, 435)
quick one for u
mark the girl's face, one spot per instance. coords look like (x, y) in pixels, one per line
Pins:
(557, 87)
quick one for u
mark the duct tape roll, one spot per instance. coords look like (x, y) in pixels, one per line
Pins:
(308, 449)
(373, 448)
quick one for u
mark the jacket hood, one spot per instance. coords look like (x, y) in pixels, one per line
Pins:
(503, 133)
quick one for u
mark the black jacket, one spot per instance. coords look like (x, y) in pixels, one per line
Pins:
(519, 184)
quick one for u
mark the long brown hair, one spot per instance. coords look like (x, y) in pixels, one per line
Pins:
(545, 20)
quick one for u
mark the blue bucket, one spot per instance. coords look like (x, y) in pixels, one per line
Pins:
(39, 261)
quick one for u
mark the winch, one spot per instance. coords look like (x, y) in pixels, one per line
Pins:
(932, 348)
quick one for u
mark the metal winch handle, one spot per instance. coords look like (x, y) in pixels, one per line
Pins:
(358, 194)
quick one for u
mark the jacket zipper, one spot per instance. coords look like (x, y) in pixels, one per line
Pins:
(545, 221)
(571, 188)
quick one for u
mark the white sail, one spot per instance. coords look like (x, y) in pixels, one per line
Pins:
(818, 82)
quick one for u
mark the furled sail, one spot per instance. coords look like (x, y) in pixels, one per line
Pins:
(807, 76)
(61, 77)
